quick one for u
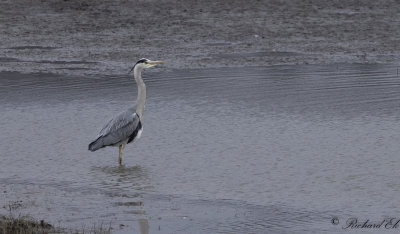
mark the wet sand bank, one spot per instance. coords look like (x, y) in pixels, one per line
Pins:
(92, 37)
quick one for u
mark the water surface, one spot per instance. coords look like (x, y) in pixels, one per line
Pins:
(277, 149)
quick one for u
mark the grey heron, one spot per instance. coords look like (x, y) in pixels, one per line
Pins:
(126, 126)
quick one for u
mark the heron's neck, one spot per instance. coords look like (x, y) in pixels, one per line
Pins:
(141, 99)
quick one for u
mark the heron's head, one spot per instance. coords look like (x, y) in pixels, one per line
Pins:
(146, 63)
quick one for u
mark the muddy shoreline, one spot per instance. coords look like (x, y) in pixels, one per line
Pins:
(92, 37)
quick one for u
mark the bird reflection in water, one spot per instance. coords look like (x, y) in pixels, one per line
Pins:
(144, 226)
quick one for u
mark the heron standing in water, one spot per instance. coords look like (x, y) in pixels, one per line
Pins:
(127, 126)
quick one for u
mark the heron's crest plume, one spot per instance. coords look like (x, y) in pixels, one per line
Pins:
(142, 60)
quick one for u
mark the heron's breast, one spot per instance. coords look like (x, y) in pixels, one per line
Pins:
(139, 133)
(136, 133)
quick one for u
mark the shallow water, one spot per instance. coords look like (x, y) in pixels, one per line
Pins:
(279, 149)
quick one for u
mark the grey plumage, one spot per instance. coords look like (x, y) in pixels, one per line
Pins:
(126, 126)
(118, 130)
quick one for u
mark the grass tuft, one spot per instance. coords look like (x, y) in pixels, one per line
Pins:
(24, 225)
(12, 224)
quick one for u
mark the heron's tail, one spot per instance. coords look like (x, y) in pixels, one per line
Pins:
(95, 145)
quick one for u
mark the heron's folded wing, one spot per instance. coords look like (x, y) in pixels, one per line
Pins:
(119, 128)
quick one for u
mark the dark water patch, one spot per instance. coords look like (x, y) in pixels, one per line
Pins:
(37, 87)
(259, 54)
(8, 59)
(73, 68)
(335, 89)
(329, 90)
(33, 48)
(129, 203)
(218, 44)
(64, 62)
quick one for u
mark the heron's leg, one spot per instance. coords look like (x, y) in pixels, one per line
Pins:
(120, 154)
(121, 148)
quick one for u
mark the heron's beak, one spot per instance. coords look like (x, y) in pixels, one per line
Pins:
(155, 62)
